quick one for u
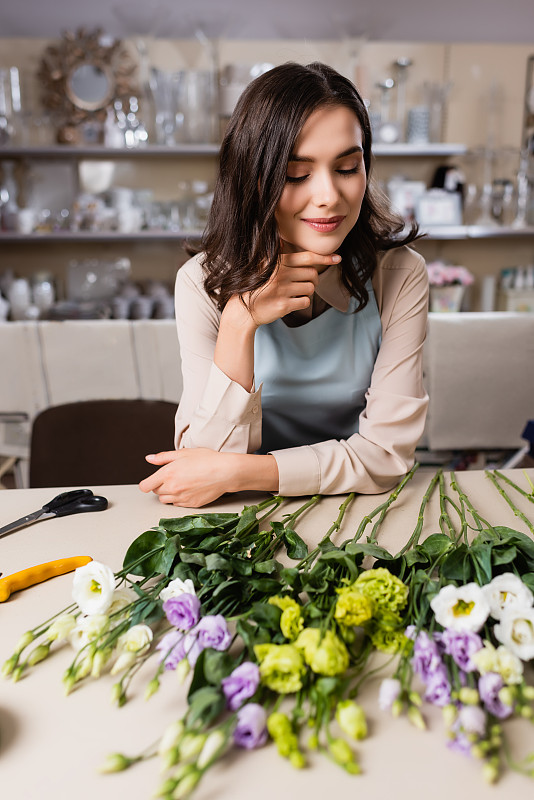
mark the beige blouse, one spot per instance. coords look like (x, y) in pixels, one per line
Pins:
(218, 413)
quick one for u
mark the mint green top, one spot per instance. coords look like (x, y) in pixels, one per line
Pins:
(315, 376)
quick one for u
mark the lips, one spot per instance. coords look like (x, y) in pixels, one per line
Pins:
(324, 224)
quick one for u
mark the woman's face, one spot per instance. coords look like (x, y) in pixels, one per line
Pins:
(325, 183)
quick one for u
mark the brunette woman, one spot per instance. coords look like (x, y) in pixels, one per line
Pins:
(302, 320)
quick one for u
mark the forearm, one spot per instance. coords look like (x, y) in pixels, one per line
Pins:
(253, 473)
(234, 351)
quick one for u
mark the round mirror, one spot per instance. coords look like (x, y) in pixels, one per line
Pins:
(90, 87)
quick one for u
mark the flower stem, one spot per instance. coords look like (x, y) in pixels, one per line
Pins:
(465, 500)
(528, 495)
(383, 507)
(414, 538)
(510, 502)
(336, 525)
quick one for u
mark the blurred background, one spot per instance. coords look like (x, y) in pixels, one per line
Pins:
(111, 114)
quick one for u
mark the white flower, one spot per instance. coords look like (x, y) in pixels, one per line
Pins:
(61, 627)
(472, 719)
(506, 592)
(516, 631)
(136, 640)
(177, 587)
(499, 660)
(93, 587)
(171, 736)
(87, 629)
(390, 689)
(122, 597)
(461, 608)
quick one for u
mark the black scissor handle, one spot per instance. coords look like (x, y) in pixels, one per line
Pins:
(66, 497)
(90, 502)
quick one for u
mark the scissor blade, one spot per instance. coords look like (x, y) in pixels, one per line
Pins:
(21, 523)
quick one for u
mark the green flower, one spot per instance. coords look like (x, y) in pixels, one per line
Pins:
(291, 622)
(351, 719)
(353, 607)
(387, 591)
(281, 732)
(326, 655)
(281, 667)
(388, 640)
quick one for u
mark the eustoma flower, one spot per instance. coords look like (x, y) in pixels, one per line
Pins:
(461, 608)
(241, 684)
(507, 592)
(251, 730)
(516, 631)
(182, 611)
(93, 587)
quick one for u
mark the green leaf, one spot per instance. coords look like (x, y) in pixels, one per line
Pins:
(205, 705)
(146, 611)
(415, 556)
(523, 542)
(456, 565)
(481, 560)
(266, 567)
(218, 666)
(266, 615)
(325, 686)
(242, 567)
(528, 580)
(295, 546)
(266, 585)
(224, 588)
(215, 561)
(190, 557)
(367, 549)
(436, 545)
(247, 520)
(144, 545)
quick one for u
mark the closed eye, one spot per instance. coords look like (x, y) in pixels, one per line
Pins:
(342, 172)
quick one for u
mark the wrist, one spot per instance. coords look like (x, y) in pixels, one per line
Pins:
(254, 473)
(236, 315)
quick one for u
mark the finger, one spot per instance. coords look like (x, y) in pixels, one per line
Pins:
(152, 482)
(168, 499)
(308, 258)
(164, 457)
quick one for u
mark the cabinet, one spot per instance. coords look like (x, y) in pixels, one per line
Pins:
(157, 252)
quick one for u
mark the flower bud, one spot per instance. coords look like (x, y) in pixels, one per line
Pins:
(416, 699)
(528, 692)
(340, 751)
(297, 760)
(313, 742)
(182, 671)
(26, 639)
(17, 672)
(468, 696)
(39, 653)
(151, 688)
(169, 758)
(351, 719)
(186, 785)
(167, 787)
(416, 718)
(396, 708)
(115, 762)
(449, 714)
(171, 736)
(213, 746)
(191, 745)
(353, 768)
(68, 682)
(116, 693)
(527, 712)
(9, 665)
(100, 660)
(490, 771)
(507, 695)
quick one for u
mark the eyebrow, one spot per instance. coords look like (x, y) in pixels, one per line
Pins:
(350, 151)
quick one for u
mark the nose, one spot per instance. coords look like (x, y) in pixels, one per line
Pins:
(325, 191)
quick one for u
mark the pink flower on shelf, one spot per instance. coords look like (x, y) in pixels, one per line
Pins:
(441, 274)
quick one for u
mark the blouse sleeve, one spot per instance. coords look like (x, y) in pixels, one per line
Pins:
(392, 422)
(214, 411)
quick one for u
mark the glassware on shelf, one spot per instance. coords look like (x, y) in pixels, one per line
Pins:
(436, 95)
(9, 209)
(401, 69)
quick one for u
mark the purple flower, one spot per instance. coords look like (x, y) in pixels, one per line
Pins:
(241, 684)
(438, 688)
(472, 719)
(212, 631)
(182, 611)
(460, 744)
(172, 647)
(462, 645)
(426, 658)
(489, 686)
(251, 730)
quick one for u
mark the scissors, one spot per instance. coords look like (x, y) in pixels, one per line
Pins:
(74, 502)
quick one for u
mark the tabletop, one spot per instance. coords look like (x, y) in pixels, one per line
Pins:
(51, 745)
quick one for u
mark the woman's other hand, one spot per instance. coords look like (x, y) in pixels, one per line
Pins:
(195, 477)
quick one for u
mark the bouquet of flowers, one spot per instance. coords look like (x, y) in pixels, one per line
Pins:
(280, 652)
(441, 274)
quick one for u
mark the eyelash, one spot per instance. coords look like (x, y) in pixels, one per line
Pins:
(345, 173)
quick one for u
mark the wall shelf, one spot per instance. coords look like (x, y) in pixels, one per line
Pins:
(58, 237)
(419, 150)
(66, 152)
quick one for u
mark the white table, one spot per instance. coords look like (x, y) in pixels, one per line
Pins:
(51, 746)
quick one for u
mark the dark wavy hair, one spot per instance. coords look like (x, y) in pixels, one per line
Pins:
(241, 244)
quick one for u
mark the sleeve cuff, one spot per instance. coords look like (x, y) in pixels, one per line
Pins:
(298, 470)
(226, 399)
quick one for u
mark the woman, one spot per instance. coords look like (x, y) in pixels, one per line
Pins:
(301, 323)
